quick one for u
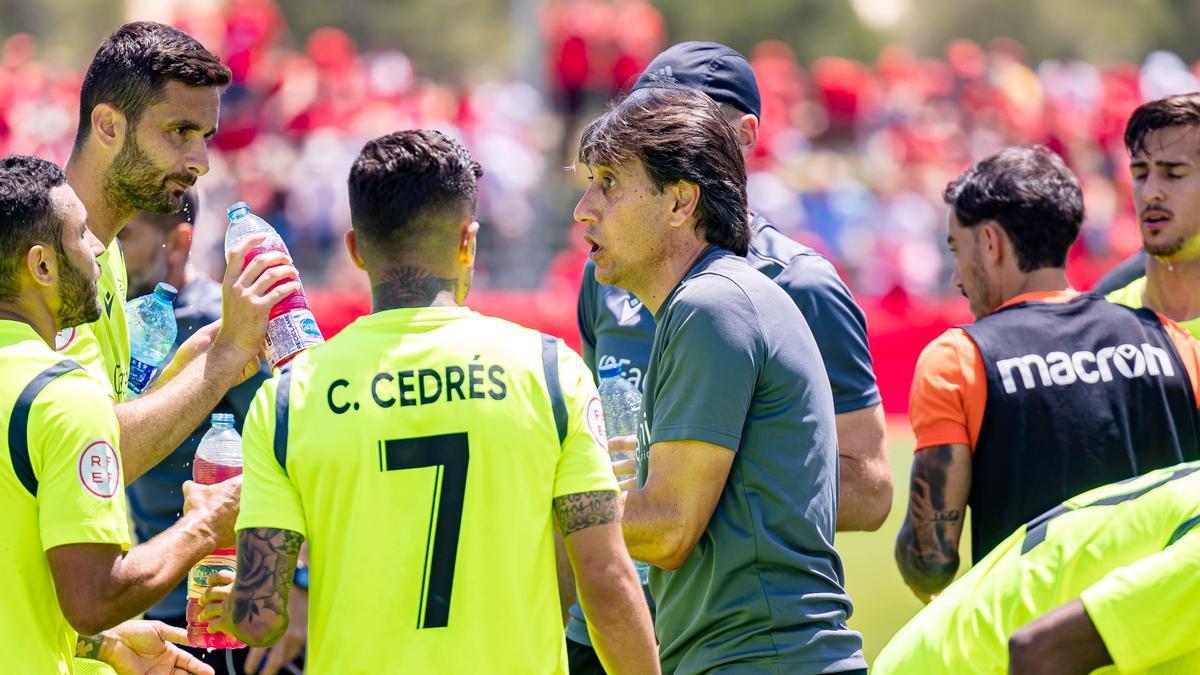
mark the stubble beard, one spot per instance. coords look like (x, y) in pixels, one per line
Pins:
(77, 299)
(133, 182)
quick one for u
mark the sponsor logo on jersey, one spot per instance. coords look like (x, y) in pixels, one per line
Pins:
(64, 338)
(1062, 369)
(108, 302)
(99, 469)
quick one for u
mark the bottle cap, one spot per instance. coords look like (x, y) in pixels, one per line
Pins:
(222, 420)
(237, 211)
(166, 291)
(609, 371)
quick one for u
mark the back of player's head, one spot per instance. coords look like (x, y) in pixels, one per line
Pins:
(133, 65)
(1031, 194)
(1173, 111)
(409, 188)
(679, 134)
(717, 70)
(27, 215)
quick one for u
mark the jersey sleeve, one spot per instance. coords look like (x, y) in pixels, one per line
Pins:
(942, 392)
(585, 316)
(583, 465)
(839, 327)
(707, 369)
(74, 443)
(1146, 612)
(269, 498)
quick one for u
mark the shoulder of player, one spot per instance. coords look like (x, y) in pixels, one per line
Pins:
(951, 351)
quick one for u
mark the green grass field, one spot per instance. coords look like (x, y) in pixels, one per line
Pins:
(882, 603)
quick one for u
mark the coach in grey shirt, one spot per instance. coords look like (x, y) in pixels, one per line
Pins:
(737, 461)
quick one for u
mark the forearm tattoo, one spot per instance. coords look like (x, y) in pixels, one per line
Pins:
(266, 562)
(582, 510)
(409, 287)
(927, 548)
(88, 646)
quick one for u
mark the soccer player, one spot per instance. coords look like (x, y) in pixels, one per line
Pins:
(737, 451)
(1049, 392)
(426, 453)
(617, 328)
(1108, 577)
(61, 474)
(1163, 140)
(148, 106)
(156, 248)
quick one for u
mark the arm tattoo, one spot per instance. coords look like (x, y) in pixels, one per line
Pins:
(409, 287)
(926, 550)
(88, 646)
(582, 510)
(266, 563)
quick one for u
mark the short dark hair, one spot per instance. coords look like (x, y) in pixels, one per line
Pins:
(407, 182)
(26, 215)
(679, 134)
(1031, 194)
(1172, 111)
(133, 65)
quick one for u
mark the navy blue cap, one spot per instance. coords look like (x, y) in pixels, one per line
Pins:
(713, 68)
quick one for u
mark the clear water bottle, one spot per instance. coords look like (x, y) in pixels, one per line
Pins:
(218, 458)
(152, 332)
(622, 404)
(291, 327)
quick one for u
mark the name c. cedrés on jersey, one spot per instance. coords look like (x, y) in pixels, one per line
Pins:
(419, 386)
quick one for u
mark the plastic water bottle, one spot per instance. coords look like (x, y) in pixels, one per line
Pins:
(218, 458)
(622, 404)
(291, 327)
(152, 332)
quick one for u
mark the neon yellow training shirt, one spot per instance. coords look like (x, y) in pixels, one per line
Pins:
(60, 483)
(1131, 296)
(422, 459)
(102, 347)
(1130, 550)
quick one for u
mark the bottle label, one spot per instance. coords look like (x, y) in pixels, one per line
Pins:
(140, 375)
(291, 332)
(197, 579)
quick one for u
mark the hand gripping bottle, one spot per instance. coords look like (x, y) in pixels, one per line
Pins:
(218, 457)
(152, 332)
(622, 404)
(291, 327)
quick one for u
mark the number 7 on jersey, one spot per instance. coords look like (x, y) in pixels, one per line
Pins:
(449, 454)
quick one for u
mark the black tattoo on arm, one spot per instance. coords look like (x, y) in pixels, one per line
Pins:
(582, 510)
(410, 287)
(927, 546)
(88, 646)
(266, 562)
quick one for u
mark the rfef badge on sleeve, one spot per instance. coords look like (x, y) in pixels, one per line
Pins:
(100, 469)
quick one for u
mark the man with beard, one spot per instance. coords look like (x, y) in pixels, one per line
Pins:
(1163, 140)
(148, 106)
(66, 543)
(1049, 393)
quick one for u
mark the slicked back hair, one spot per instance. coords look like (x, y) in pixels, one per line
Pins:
(408, 185)
(26, 215)
(1031, 194)
(679, 134)
(133, 65)
(1173, 111)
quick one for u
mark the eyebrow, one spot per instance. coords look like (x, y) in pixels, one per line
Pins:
(191, 126)
(1140, 163)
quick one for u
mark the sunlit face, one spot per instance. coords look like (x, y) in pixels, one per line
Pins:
(969, 276)
(627, 220)
(1166, 192)
(165, 151)
(78, 270)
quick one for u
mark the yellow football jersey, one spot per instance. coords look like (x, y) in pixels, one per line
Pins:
(1131, 296)
(102, 347)
(419, 453)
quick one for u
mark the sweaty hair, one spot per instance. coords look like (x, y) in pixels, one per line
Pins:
(1173, 111)
(1031, 194)
(133, 65)
(26, 215)
(679, 134)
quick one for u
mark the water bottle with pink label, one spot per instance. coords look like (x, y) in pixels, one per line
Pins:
(291, 327)
(218, 458)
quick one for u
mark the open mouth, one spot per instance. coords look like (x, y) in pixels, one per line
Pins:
(1155, 220)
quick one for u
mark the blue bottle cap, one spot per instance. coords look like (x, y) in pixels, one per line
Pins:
(222, 420)
(237, 211)
(609, 371)
(166, 291)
